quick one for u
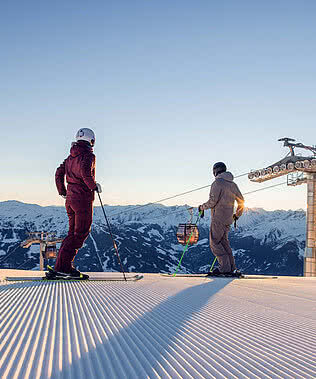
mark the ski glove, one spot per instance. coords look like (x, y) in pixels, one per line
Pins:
(98, 188)
(201, 211)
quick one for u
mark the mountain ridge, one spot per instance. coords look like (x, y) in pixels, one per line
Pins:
(267, 242)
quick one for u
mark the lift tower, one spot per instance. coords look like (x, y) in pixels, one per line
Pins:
(299, 170)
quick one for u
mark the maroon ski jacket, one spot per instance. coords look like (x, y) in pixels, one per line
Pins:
(79, 169)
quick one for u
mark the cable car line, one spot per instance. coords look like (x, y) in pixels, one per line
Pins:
(10, 253)
(186, 209)
(24, 263)
(262, 189)
(169, 198)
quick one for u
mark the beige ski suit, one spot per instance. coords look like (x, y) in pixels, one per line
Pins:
(223, 194)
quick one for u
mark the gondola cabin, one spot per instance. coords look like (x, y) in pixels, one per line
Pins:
(187, 234)
(50, 252)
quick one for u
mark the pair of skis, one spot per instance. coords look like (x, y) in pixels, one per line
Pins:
(133, 278)
(52, 276)
(206, 276)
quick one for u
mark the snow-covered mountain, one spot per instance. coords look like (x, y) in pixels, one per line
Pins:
(264, 242)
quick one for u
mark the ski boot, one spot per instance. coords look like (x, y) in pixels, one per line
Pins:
(215, 272)
(73, 274)
(237, 273)
(76, 274)
(231, 274)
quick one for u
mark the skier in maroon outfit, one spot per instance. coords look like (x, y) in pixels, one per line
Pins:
(79, 170)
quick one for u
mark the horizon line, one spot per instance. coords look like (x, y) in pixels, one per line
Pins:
(146, 204)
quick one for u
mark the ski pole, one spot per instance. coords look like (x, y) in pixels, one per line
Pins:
(211, 269)
(186, 246)
(114, 243)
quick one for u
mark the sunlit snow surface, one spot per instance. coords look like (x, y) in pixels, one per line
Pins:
(158, 327)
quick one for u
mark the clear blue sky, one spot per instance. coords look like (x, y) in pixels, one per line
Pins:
(169, 87)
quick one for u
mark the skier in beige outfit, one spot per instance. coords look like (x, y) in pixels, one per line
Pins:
(223, 194)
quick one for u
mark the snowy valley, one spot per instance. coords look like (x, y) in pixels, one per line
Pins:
(264, 242)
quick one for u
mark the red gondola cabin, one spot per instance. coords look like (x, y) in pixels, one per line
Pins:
(187, 234)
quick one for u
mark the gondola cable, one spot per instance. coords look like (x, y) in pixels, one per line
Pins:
(167, 198)
(186, 209)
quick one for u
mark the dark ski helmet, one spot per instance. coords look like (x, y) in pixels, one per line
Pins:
(218, 168)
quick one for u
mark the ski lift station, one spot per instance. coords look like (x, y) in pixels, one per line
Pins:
(165, 326)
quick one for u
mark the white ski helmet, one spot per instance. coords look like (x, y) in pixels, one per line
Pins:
(86, 134)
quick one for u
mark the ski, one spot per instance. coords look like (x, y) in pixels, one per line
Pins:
(205, 276)
(91, 279)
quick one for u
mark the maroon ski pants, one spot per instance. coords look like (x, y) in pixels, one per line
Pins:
(220, 246)
(80, 219)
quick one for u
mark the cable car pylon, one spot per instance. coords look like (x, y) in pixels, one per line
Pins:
(299, 170)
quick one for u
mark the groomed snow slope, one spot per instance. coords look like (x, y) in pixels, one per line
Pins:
(158, 327)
